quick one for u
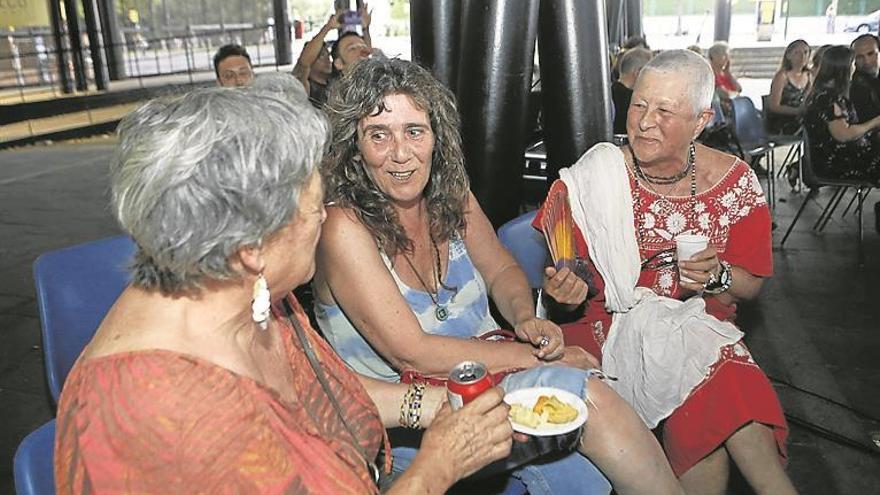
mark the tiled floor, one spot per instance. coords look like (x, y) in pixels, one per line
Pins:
(816, 326)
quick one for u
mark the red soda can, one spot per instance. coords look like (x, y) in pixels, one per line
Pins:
(467, 380)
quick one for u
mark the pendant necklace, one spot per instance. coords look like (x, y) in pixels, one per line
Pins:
(441, 312)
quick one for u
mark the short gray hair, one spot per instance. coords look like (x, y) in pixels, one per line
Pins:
(692, 69)
(281, 83)
(719, 48)
(198, 176)
(634, 59)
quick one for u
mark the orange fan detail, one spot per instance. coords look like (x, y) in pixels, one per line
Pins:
(558, 226)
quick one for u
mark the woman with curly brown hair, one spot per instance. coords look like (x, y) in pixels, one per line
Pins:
(407, 263)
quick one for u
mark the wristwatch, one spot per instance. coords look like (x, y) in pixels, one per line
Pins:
(720, 283)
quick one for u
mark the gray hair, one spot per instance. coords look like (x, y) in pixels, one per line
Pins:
(198, 176)
(283, 84)
(692, 69)
(634, 59)
(718, 49)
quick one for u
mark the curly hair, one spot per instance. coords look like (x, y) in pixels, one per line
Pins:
(361, 93)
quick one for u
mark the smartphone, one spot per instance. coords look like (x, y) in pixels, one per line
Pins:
(350, 19)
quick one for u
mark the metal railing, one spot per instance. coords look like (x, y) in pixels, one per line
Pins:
(28, 59)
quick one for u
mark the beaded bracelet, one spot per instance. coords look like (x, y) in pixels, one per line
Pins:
(411, 406)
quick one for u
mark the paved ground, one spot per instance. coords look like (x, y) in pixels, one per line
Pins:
(815, 326)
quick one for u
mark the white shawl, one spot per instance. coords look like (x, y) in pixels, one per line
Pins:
(659, 348)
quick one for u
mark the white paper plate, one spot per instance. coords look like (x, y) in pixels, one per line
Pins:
(527, 398)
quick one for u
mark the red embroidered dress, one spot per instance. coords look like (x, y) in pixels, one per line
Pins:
(733, 214)
(157, 421)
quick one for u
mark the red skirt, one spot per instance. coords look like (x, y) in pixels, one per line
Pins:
(735, 393)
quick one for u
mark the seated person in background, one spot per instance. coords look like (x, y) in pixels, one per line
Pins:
(817, 59)
(726, 84)
(232, 66)
(635, 41)
(788, 90)
(621, 89)
(313, 68)
(714, 401)
(205, 376)
(404, 224)
(631, 42)
(865, 89)
(840, 147)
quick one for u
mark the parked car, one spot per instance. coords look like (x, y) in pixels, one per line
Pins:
(864, 24)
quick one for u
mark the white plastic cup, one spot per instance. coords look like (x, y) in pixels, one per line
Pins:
(687, 245)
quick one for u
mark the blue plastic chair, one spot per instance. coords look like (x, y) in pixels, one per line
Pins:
(751, 140)
(34, 462)
(527, 246)
(75, 288)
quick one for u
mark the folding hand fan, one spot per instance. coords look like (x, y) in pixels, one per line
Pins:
(558, 226)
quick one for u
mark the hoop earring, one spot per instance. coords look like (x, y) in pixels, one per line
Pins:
(261, 303)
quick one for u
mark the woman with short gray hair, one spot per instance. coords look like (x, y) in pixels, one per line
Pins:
(714, 403)
(205, 376)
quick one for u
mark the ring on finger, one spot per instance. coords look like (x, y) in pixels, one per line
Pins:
(713, 279)
(545, 341)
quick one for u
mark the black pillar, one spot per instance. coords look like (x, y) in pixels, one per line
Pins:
(435, 28)
(76, 50)
(497, 47)
(633, 18)
(112, 40)
(282, 33)
(61, 55)
(722, 20)
(93, 28)
(575, 79)
(615, 18)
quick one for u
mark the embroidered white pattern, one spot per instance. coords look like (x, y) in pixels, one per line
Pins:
(715, 211)
(599, 333)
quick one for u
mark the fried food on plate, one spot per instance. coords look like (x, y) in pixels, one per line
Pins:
(558, 412)
(522, 415)
(548, 410)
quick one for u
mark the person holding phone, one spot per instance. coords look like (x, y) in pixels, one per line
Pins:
(314, 68)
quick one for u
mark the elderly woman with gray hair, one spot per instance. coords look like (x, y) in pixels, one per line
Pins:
(205, 377)
(664, 325)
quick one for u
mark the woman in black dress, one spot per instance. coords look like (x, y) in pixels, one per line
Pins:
(839, 147)
(788, 89)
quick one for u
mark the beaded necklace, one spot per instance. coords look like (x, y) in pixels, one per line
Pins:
(690, 167)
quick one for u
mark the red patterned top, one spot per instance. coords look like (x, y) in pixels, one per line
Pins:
(733, 214)
(157, 421)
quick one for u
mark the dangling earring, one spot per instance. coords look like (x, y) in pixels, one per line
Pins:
(262, 303)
